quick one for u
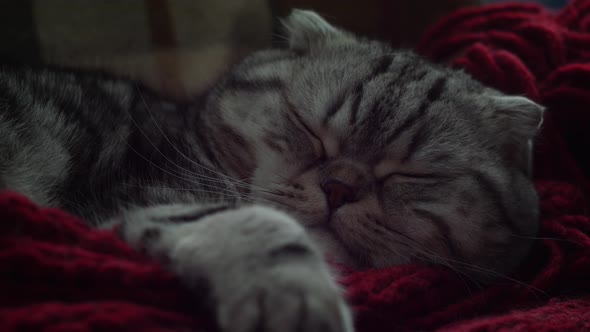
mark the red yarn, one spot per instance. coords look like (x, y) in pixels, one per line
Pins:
(57, 275)
(525, 49)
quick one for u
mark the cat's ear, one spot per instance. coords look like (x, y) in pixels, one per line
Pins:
(306, 30)
(521, 117)
(517, 121)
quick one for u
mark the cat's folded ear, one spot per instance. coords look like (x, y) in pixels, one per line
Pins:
(306, 31)
(516, 120)
(520, 117)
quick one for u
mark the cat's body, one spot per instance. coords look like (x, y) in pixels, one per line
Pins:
(102, 144)
(378, 157)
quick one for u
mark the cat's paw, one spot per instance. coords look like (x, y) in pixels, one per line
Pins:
(264, 271)
(286, 298)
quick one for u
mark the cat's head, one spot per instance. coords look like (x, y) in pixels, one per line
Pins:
(382, 155)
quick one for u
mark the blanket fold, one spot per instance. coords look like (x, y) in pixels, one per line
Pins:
(58, 275)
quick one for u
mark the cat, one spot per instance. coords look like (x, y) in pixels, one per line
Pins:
(332, 146)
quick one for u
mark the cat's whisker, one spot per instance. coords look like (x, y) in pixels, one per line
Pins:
(527, 286)
(491, 272)
(179, 189)
(215, 193)
(176, 175)
(180, 152)
(437, 259)
(544, 238)
(227, 181)
(197, 175)
(449, 261)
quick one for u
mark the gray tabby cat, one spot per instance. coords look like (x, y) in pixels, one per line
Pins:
(334, 146)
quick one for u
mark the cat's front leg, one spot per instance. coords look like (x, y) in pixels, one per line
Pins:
(262, 270)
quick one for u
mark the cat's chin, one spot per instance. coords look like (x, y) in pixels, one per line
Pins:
(334, 250)
(320, 226)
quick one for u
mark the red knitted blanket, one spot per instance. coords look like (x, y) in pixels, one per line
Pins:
(57, 275)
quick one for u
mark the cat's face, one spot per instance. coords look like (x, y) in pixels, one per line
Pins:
(384, 157)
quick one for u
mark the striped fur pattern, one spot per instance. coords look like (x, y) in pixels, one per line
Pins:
(428, 165)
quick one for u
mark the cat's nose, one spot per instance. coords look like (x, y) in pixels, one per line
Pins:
(338, 193)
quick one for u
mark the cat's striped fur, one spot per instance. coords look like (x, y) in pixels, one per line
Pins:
(377, 156)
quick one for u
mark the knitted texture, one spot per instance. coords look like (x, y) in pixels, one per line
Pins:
(58, 275)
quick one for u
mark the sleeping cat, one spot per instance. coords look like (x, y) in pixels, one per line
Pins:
(334, 146)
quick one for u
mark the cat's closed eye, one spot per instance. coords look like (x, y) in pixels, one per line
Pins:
(318, 148)
(317, 143)
(392, 171)
(403, 177)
